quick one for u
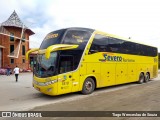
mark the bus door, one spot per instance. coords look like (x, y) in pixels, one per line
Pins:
(65, 74)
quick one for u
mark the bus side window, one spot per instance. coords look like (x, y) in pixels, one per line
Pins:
(115, 45)
(66, 64)
(109, 44)
(99, 44)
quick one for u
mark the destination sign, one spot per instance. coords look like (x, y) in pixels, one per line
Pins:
(49, 36)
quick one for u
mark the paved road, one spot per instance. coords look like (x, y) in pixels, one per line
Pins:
(133, 97)
(22, 96)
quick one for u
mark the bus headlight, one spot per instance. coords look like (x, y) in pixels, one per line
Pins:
(45, 83)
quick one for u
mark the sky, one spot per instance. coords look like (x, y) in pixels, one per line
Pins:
(138, 19)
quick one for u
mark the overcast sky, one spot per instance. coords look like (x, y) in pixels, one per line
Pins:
(138, 19)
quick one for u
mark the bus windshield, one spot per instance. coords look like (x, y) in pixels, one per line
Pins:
(76, 37)
(52, 38)
(67, 36)
(45, 67)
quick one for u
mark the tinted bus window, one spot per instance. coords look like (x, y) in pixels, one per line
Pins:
(99, 44)
(107, 44)
(115, 45)
(52, 38)
(76, 37)
(76, 56)
(131, 48)
(66, 64)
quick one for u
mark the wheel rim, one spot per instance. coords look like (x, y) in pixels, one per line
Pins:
(89, 86)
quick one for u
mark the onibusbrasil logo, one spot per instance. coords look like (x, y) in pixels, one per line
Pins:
(110, 57)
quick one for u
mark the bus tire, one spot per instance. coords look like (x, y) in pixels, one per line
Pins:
(147, 77)
(88, 86)
(141, 78)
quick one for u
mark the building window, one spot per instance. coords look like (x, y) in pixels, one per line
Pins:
(12, 37)
(23, 50)
(23, 37)
(23, 60)
(12, 61)
(11, 48)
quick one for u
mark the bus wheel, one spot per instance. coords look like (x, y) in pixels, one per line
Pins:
(147, 77)
(141, 78)
(88, 86)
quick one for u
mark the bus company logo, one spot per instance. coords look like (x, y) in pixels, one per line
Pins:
(111, 57)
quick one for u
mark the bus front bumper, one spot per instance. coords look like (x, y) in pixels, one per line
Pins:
(49, 89)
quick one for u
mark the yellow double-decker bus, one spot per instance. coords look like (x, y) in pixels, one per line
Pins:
(82, 59)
